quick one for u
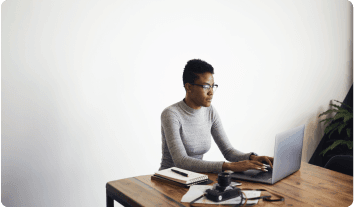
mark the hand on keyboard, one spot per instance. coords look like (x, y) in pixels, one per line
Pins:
(243, 166)
(268, 167)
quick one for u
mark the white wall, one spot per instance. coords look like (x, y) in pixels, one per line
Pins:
(84, 83)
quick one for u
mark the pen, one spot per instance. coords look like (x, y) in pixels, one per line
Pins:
(181, 173)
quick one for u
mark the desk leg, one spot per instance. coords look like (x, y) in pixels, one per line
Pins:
(120, 198)
(109, 201)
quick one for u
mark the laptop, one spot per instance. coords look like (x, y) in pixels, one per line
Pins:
(287, 158)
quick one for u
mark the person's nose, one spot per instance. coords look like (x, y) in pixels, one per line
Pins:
(211, 91)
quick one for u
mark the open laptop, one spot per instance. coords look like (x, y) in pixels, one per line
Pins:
(287, 158)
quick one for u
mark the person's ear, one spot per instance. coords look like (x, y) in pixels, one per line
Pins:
(188, 87)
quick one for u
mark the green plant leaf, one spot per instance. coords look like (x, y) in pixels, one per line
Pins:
(345, 112)
(340, 109)
(324, 151)
(344, 104)
(341, 127)
(342, 116)
(348, 117)
(348, 132)
(337, 106)
(328, 148)
(328, 112)
(332, 132)
(338, 116)
(326, 121)
(330, 127)
(336, 143)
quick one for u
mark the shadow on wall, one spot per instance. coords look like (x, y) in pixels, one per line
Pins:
(314, 132)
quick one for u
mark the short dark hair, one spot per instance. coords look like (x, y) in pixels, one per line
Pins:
(194, 67)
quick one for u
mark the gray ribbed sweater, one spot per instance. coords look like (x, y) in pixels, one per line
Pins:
(186, 136)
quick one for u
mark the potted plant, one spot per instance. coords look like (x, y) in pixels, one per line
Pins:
(342, 123)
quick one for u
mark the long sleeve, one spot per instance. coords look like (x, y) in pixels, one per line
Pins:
(231, 154)
(171, 128)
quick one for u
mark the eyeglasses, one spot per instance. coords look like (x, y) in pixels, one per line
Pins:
(207, 87)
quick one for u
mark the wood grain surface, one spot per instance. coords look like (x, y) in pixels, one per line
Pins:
(310, 186)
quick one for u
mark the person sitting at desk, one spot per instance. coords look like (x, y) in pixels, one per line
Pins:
(186, 127)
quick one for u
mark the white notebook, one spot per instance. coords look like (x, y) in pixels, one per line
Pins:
(192, 176)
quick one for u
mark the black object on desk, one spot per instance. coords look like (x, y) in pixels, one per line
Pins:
(181, 173)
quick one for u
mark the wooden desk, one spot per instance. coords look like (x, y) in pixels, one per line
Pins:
(310, 186)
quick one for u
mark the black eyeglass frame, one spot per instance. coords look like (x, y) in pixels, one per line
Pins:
(206, 86)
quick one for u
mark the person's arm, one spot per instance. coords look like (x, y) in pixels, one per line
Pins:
(171, 127)
(231, 154)
(252, 156)
(225, 166)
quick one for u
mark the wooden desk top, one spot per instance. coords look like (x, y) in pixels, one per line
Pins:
(310, 186)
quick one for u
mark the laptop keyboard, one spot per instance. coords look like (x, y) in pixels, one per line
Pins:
(262, 174)
(258, 173)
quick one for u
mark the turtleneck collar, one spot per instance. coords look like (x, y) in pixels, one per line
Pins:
(185, 107)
